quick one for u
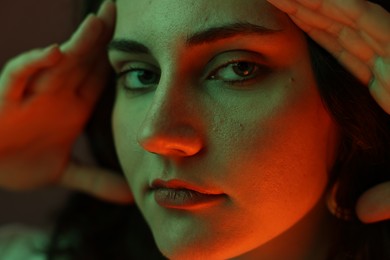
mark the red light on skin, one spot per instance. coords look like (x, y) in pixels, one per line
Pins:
(176, 194)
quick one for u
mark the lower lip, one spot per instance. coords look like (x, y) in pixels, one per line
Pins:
(185, 199)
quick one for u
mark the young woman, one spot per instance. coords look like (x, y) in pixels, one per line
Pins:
(235, 131)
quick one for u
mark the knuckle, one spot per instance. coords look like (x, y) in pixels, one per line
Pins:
(14, 66)
(11, 69)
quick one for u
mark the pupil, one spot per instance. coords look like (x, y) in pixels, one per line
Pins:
(243, 68)
(146, 77)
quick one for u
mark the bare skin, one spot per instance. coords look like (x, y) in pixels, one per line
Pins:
(40, 133)
(30, 82)
(357, 33)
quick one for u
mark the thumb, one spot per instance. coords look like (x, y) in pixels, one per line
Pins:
(98, 182)
(374, 204)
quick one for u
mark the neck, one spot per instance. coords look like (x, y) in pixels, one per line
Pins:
(309, 239)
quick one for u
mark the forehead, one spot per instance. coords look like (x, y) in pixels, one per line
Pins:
(179, 18)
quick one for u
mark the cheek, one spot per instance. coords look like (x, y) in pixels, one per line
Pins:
(274, 160)
(279, 157)
(120, 135)
(124, 125)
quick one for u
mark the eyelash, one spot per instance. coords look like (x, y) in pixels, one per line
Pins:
(133, 69)
(259, 70)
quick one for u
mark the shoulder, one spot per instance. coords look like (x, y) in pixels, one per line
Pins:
(21, 242)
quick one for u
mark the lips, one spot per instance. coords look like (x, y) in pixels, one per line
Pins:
(178, 194)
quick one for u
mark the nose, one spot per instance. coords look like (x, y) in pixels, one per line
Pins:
(171, 126)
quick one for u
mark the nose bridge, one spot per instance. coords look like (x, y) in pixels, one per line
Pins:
(167, 108)
(171, 126)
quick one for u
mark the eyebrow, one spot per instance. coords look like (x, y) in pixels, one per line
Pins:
(207, 36)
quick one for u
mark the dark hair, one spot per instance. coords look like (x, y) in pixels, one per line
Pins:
(363, 158)
(88, 228)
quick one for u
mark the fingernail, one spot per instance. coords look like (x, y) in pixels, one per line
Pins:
(89, 16)
(101, 8)
(85, 22)
(90, 27)
(104, 6)
(98, 30)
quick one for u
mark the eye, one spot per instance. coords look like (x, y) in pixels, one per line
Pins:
(138, 79)
(238, 72)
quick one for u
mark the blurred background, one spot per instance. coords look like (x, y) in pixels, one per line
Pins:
(26, 24)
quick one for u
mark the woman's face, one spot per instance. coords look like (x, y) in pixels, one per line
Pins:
(222, 100)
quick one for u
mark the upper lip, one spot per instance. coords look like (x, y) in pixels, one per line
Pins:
(180, 184)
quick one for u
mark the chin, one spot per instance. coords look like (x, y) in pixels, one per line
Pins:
(195, 253)
(207, 248)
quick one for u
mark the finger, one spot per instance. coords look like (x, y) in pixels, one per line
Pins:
(360, 69)
(354, 44)
(82, 49)
(306, 19)
(309, 16)
(369, 17)
(317, 19)
(77, 52)
(88, 80)
(306, 15)
(16, 74)
(91, 89)
(97, 182)
(85, 38)
(361, 15)
(374, 204)
(328, 9)
(80, 58)
(370, 20)
(93, 33)
(68, 78)
(380, 86)
(349, 38)
(381, 95)
(379, 48)
(348, 48)
(107, 13)
(286, 6)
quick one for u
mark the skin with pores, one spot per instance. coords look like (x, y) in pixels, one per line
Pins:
(268, 144)
(172, 136)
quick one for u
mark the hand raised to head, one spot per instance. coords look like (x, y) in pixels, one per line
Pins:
(374, 204)
(355, 32)
(46, 97)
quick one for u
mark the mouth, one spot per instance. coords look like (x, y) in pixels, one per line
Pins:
(177, 194)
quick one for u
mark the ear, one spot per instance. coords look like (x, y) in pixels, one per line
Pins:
(334, 208)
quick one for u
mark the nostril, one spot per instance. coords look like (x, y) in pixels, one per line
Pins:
(169, 146)
(177, 152)
(179, 140)
(181, 151)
